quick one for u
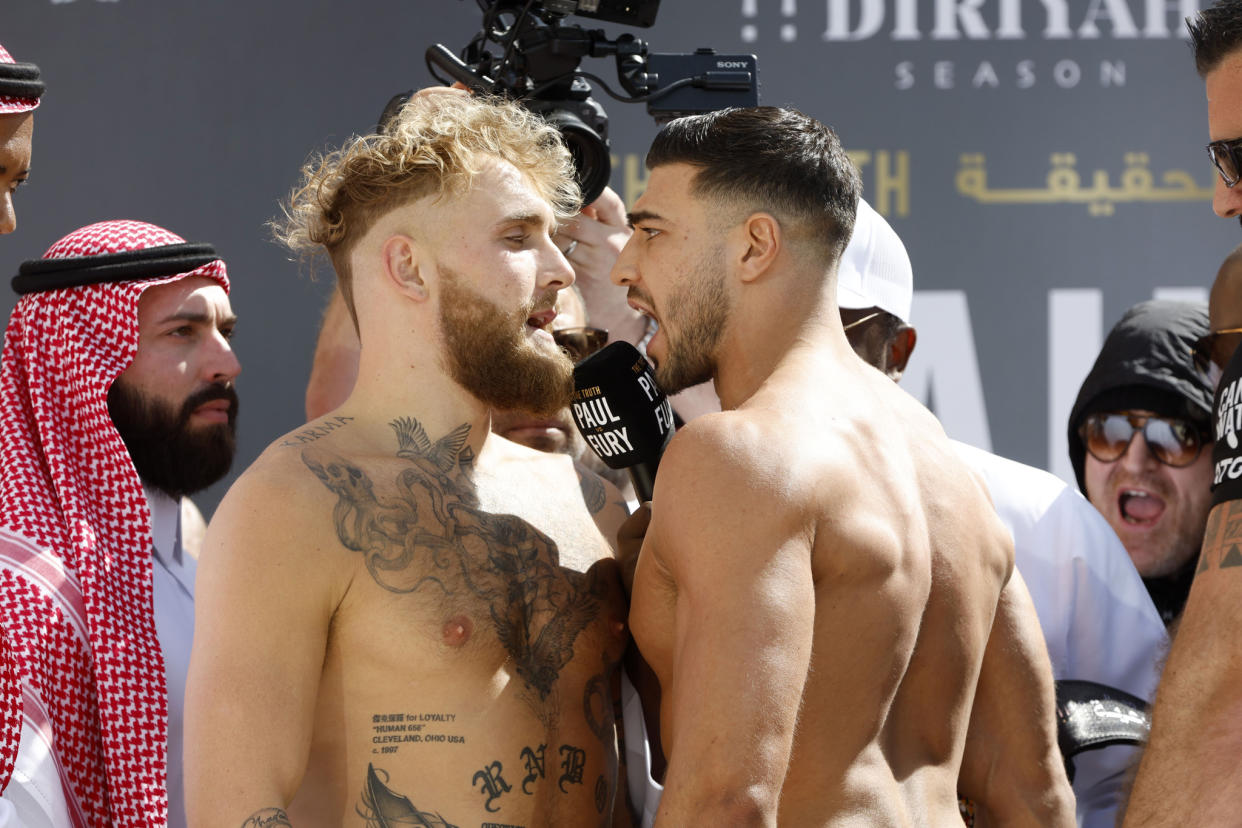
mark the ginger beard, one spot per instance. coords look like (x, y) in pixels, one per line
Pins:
(169, 453)
(492, 354)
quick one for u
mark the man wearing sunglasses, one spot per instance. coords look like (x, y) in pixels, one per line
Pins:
(1186, 776)
(1096, 620)
(1140, 443)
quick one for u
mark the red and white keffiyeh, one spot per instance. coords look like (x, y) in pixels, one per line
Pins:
(11, 105)
(79, 657)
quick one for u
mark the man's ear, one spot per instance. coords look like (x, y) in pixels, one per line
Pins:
(401, 262)
(758, 243)
(899, 349)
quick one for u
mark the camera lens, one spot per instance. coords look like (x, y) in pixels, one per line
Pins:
(588, 149)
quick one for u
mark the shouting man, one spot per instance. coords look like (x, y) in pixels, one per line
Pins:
(820, 573)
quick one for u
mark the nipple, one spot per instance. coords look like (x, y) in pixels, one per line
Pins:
(457, 630)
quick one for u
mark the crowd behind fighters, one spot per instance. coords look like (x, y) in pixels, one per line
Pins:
(827, 575)
(1197, 717)
(1097, 621)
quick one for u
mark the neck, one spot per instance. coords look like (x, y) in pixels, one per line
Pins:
(391, 387)
(774, 323)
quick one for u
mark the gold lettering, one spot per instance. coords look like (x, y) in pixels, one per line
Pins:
(892, 183)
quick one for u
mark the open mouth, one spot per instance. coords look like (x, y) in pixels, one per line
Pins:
(541, 321)
(1139, 507)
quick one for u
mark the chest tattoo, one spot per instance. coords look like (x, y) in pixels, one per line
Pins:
(427, 532)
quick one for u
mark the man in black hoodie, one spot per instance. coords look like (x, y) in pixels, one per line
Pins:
(1140, 441)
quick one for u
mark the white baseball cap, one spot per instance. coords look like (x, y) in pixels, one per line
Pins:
(875, 270)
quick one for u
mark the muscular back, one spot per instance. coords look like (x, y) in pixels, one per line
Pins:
(456, 623)
(893, 562)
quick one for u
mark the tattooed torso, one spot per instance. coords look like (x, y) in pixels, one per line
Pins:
(472, 661)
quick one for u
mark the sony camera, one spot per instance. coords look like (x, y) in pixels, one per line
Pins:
(527, 52)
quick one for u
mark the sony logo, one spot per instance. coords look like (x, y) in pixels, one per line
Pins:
(731, 64)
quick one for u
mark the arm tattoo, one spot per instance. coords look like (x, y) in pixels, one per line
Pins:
(430, 533)
(267, 818)
(1222, 539)
(594, 495)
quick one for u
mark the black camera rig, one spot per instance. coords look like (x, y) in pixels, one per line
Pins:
(526, 52)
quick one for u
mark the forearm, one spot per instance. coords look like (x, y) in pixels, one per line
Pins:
(1012, 766)
(1187, 775)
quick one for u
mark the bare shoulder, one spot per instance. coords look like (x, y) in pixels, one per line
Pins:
(725, 485)
(277, 515)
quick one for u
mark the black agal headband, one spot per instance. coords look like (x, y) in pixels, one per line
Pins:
(20, 80)
(147, 263)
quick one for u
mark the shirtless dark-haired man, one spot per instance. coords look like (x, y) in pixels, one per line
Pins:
(406, 619)
(818, 582)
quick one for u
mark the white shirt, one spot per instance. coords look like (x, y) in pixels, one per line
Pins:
(34, 798)
(1097, 618)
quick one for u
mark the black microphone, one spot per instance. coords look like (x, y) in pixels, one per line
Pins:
(623, 415)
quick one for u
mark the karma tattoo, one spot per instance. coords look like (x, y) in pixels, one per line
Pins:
(267, 818)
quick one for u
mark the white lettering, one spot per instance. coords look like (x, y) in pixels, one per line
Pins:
(944, 369)
(1026, 74)
(1067, 74)
(906, 21)
(942, 74)
(613, 442)
(1115, 10)
(647, 387)
(664, 417)
(731, 64)
(870, 18)
(1157, 17)
(1010, 24)
(1074, 338)
(985, 75)
(950, 12)
(905, 75)
(1112, 74)
(1057, 27)
(623, 436)
(598, 445)
(955, 19)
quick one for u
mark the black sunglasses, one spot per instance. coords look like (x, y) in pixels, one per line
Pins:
(580, 343)
(1224, 155)
(1170, 440)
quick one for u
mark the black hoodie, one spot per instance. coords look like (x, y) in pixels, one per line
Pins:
(1145, 364)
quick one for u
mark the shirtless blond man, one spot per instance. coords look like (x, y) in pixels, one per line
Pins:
(407, 620)
(817, 585)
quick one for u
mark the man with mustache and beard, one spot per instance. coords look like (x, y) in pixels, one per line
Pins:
(1141, 445)
(818, 581)
(404, 618)
(117, 401)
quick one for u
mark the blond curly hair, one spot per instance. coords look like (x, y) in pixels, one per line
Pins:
(435, 145)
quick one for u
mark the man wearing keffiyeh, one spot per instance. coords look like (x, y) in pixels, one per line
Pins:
(21, 87)
(116, 399)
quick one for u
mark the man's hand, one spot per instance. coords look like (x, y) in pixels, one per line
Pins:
(630, 543)
(600, 231)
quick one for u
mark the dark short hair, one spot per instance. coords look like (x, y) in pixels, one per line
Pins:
(768, 158)
(1215, 34)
